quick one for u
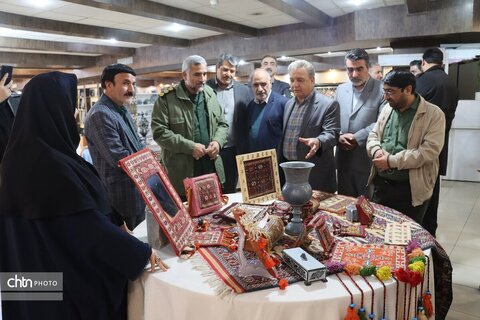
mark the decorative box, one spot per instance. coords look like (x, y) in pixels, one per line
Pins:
(351, 213)
(309, 268)
(365, 210)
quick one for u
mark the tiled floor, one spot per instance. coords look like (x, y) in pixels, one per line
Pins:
(459, 233)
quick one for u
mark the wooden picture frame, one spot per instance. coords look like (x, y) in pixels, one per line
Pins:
(258, 176)
(161, 198)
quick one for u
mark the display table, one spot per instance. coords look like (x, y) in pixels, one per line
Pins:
(183, 292)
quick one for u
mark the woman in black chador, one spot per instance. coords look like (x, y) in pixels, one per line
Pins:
(53, 210)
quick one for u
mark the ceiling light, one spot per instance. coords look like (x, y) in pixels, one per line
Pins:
(213, 3)
(112, 40)
(41, 3)
(241, 62)
(175, 27)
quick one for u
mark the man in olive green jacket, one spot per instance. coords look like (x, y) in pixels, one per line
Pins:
(188, 124)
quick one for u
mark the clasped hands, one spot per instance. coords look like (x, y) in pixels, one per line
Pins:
(212, 150)
(347, 141)
(5, 91)
(380, 160)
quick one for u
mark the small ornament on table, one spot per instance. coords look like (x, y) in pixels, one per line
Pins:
(365, 210)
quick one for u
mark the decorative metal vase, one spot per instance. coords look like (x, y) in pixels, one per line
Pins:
(296, 191)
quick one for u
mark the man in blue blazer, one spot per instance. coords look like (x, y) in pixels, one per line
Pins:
(264, 124)
(311, 125)
(361, 100)
(112, 135)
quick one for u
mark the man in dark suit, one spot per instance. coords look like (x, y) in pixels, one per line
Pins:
(269, 63)
(264, 125)
(360, 104)
(112, 135)
(435, 86)
(6, 114)
(311, 127)
(233, 98)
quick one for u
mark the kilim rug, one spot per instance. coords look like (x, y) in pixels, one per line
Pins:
(225, 261)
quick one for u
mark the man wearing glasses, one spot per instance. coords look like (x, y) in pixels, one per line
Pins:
(404, 146)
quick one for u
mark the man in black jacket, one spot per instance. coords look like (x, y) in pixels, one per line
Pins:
(233, 98)
(435, 86)
(6, 114)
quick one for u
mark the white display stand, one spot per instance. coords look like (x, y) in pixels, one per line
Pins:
(464, 143)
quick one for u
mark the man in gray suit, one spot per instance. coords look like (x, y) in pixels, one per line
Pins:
(361, 101)
(311, 125)
(233, 98)
(112, 135)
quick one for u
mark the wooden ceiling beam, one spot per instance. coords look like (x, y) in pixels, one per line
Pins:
(41, 45)
(47, 61)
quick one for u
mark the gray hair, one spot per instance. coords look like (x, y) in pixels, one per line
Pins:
(192, 60)
(302, 64)
(260, 70)
(230, 58)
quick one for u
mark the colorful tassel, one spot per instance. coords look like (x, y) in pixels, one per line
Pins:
(362, 313)
(368, 271)
(417, 266)
(384, 273)
(371, 316)
(421, 314)
(353, 269)
(351, 314)
(415, 278)
(427, 304)
(412, 244)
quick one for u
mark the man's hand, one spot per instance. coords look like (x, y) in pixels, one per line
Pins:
(213, 149)
(312, 143)
(5, 91)
(156, 261)
(347, 141)
(381, 161)
(198, 151)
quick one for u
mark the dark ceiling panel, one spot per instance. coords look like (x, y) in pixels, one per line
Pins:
(302, 11)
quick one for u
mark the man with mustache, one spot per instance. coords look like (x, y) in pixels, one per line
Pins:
(233, 98)
(188, 123)
(360, 104)
(404, 146)
(269, 63)
(112, 135)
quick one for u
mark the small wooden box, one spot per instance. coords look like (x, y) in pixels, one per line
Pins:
(309, 268)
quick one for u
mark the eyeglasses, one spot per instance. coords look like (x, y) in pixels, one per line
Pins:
(391, 92)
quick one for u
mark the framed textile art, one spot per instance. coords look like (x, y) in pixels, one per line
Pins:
(161, 198)
(204, 194)
(258, 175)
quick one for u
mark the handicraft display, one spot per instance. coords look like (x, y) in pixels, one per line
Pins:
(369, 255)
(204, 194)
(309, 268)
(166, 206)
(398, 233)
(258, 176)
(161, 198)
(336, 204)
(365, 211)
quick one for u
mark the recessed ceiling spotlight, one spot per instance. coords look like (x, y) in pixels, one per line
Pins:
(378, 48)
(241, 62)
(329, 52)
(213, 3)
(112, 40)
(175, 27)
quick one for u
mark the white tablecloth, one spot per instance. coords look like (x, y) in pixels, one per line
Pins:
(182, 293)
